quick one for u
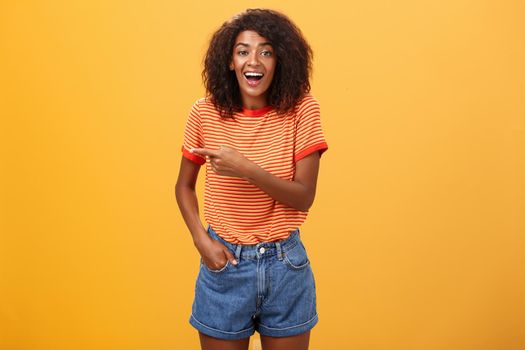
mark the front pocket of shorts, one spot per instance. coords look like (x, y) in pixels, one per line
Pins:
(297, 258)
(216, 271)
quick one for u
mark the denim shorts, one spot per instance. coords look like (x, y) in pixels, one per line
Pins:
(271, 290)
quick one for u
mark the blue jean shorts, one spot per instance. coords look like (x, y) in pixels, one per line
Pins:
(271, 290)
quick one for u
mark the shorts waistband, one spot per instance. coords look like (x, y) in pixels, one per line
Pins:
(251, 251)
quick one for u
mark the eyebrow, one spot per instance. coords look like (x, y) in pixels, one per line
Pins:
(261, 44)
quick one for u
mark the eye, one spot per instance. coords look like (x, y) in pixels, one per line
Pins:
(266, 53)
(242, 53)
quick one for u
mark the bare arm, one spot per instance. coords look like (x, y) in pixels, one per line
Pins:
(298, 193)
(187, 198)
(212, 252)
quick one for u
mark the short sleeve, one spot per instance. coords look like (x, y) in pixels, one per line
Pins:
(309, 133)
(193, 137)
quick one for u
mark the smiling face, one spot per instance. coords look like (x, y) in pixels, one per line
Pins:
(254, 65)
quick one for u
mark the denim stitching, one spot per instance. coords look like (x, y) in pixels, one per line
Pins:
(282, 329)
(217, 330)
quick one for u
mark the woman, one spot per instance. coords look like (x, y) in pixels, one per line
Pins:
(259, 134)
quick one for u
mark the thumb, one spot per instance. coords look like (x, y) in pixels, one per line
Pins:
(230, 257)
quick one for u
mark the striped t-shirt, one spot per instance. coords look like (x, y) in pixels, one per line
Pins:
(239, 211)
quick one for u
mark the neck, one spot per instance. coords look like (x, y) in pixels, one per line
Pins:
(254, 102)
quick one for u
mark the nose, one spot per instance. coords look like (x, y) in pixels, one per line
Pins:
(253, 60)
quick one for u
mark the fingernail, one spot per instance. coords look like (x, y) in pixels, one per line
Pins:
(234, 262)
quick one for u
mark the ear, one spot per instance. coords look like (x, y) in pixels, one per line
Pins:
(231, 66)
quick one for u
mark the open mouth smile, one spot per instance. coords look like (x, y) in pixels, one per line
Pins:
(253, 78)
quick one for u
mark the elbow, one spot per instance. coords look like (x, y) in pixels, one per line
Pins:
(305, 206)
(306, 202)
(178, 195)
(177, 190)
(181, 189)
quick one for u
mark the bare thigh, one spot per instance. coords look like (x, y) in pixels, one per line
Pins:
(211, 343)
(296, 342)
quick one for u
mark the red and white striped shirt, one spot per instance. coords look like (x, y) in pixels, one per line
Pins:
(239, 211)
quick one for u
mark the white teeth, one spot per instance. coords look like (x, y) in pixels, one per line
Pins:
(253, 74)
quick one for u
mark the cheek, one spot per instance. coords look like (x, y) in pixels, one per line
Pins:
(271, 67)
(235, 64)
(237, 69)
(272, 72)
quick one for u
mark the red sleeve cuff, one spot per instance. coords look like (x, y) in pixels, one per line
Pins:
(193, 157)
(321, 147)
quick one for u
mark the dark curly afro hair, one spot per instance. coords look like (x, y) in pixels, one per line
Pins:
(294, 61)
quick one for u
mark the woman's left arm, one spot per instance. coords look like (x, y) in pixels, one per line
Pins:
(299, 193)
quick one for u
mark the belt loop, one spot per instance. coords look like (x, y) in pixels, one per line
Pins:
(279, 251)
(238, 252)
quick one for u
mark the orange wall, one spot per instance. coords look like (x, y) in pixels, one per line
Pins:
(417, 235)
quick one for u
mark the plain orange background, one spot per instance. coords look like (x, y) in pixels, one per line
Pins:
(417, 235)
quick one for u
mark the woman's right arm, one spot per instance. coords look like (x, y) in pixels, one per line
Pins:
(187, 198)
(212, 252)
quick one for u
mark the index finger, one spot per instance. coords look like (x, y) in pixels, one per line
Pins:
(204, 152)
